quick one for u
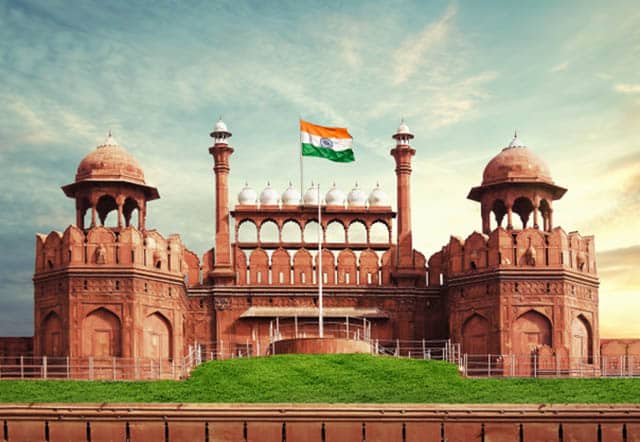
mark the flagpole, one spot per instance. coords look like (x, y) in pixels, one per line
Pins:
(301, 164)
(320, 273)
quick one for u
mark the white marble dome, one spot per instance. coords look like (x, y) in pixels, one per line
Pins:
(220, 126)
(311, 196)
(377, 198)
(247, 196)
(291, 196)
(335, 197)
(269, 197)
(357, 198)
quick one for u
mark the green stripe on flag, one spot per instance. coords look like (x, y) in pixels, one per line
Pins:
(342, 156)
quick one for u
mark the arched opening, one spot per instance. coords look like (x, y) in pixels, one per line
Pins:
(531, 331)
(379, 233)
(130, 209)
(581, 340)
(311, 232)
(475, 335)
(247, 232)
(85, 213)
(335, 232)
(357, 232)
(157, 341)
(291, 232)
(523, 207)
(101, 336)
(499, 210)
(51, 335)
(107, 211)
(269, 232)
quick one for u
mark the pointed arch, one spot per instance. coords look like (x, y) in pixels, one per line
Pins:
(157, 337)
(347, 267)
(369, 267)
(302, 267)
(531, 330)
(281, 267)
(51, 335)
(582, 340)
(101, 334)
(258, 267)
(247, 231)
(475, 335)
(357, 232)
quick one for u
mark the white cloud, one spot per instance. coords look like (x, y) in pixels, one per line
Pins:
(414, 49)
(627, 88)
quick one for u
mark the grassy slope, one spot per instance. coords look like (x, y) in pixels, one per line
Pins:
(329, 378)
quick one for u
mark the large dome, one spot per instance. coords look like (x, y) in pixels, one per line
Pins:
(110, 162)
(516, 163)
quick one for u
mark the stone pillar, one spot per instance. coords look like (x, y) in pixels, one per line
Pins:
(120, 204)
(486, 220)
(550, 220)
(142, 215)
(535, 218)
(93, 215)
(509, 218)
(79, 217)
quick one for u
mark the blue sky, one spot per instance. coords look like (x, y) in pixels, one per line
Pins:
(464, 75)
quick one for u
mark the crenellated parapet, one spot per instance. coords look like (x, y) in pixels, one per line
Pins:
(514, 249)
(115, 248)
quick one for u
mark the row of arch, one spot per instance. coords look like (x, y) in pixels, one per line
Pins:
(110, 211)
(530, 331)
(536, 213)
(293, 231)
(347, 268)
(101, 335)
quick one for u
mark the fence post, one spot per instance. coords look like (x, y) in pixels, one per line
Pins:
(68, 368)
(377, 348)
(21, 367)
(398, 348)
(424, 353)
(346, 322)
(44, 366)
(113, 368)
(221, 349)
(258, 348)
(428, 353)
(621, 366)
(90, 368)
(489, 365)
(535, 365)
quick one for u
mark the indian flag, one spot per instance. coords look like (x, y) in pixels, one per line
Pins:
(332, 143)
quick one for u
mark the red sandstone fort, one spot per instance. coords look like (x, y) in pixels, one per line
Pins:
(519, 286)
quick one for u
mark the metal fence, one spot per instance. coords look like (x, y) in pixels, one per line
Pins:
(537, 366)
(94, 368)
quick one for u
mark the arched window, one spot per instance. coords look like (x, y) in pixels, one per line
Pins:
(107, 211)
(523, 207)
(379, 233)
(247, 232)
(291, 232)
(157, 341)
(357, 232)
(499, 210)
(311, 232)
(269, 232)
(335, 232)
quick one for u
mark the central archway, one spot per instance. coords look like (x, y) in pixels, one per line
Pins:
(475, 335)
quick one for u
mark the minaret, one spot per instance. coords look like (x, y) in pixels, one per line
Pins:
(222, 273)
(402, 153)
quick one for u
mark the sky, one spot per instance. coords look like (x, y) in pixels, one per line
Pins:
(463, 75)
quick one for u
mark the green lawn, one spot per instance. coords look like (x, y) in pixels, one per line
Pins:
(329, 378)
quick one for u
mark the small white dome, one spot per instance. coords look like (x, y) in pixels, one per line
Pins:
(403, 132)
(377, 198)
(247, 196)
(311, 196)
(220, 127)
(269, 197)
(356, 197)
(290, 197)
(516, 141)
(335, 197)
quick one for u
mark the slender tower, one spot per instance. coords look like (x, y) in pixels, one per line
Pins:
(222, 273)
(402, 153)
